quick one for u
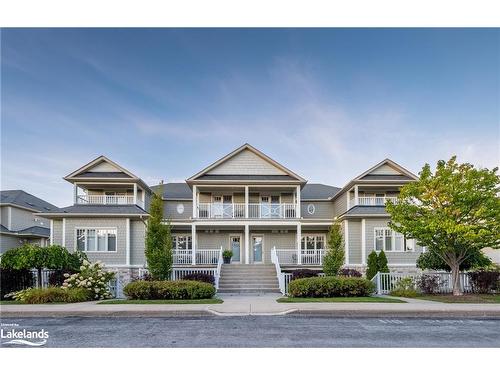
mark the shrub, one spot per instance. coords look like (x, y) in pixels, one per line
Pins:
(372, 269)
(200, 276)
(91, 277)
(405, 288)
(485, 280)
(350, 272)
(227, 254)
(432, 261)
(180, 289)
(304, 273)
(334, 256)
(51, 294)
(14, 280)
(382, 262)
(330, 286)
(429, 284)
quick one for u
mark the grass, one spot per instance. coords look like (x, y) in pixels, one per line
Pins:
(466, 298)
(11, 302)
(159, 301)
(340, 299)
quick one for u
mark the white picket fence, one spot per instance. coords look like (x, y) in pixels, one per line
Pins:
(385, 282)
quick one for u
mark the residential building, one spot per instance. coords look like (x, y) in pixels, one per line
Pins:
(247, 202)
(18, 224)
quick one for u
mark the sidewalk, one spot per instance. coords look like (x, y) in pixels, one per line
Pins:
(245, 305)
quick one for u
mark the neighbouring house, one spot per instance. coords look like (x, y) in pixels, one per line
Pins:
(18, 223)
(270, 217)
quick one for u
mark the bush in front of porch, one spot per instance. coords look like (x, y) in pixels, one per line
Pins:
(169, 290)
(331, 286)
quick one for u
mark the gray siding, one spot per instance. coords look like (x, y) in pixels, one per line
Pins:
(246, 162)
(170, 210)
(57, 232)
(22, 219)
(137, 244)
(8, 242)
(322, 210)
(354, 248)
(340, 204)
(4, 216)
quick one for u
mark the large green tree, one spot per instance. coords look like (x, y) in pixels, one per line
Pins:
(158, 240)
(334, 256)
(454, 211)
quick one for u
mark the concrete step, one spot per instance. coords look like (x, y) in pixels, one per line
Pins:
(240, 277)
(249, 290)
(254, 283)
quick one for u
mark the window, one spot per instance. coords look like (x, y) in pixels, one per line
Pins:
(182, 242)
(388, 240)
(97, 239)
(313, 242)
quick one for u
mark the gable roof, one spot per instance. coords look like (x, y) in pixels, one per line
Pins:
(25, 200)
(82, 210)
(386, 162)
(272, 170)
(318, 192)
(103, 168)
(174, 191)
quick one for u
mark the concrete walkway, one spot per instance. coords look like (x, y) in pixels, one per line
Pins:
(239, 305)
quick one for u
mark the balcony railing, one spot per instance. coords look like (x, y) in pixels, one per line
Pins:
(311, 257)
(108, 199)
(255, 210)
(202, 257)
(372, 201)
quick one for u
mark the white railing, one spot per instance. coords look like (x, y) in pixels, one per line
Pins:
(279, 274)
(180, 273)
(105, 199)
(202, 256)
(218, 269)
(272, 210)
(221, 210)
(308, 257)
(372, 201)
(386, 282)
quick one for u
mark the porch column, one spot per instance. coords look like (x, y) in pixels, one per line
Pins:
(246, 202)
(127, 241)
(348, 195)
(346, 241)
(297, 197)
(195, 204)
(135, 193)
(299, 241)
(247, 244)
(356, 202)
(193, 244)
(363, 242)
(75, 192)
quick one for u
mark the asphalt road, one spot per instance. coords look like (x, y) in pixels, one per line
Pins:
(260, 331)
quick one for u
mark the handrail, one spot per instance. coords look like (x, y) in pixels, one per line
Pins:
(218, 270)
(279, 274)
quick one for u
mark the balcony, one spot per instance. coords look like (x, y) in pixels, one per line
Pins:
(239, 211)
(205, 257)
(101, 199)
(371, 201)
(290, 257)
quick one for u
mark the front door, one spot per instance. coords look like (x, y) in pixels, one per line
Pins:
(235, 246)
(258, 248)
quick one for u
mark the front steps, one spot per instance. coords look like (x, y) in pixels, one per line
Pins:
(248, 278)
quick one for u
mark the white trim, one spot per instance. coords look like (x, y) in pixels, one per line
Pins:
(298, 213)
(135, 193)
(298, 241)
(392, 164)
(346, 241)
(51, 232)
(96, 161)
(393, 241)
(193, 244)
(195, 201)
(247, 244)
(348, 193)
(363, 241)
(75, 242)
(127, 240)
(247, 201)
(64, 232)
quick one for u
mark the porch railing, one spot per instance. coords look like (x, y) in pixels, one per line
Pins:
(372, 201)
(202, 256)
(313, 257)
(255, 210)
(386, 282)
(279, 274)
(105, 199)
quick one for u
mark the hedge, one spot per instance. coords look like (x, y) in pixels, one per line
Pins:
(179, 289)
(200, 276)
(331, 286)
(52, 294)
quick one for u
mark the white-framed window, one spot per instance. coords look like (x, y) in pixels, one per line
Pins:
(313, 242)
(388, 240)
(182, 242)
(96, 239)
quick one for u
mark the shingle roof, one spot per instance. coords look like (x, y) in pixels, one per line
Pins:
(101, 209)
(395, 177)
(175, 190)
(4, 229)
(23, 199)
(36, 231)
(318, 191)
(246, 177)
(366, 210)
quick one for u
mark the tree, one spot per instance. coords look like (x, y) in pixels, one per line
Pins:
(53, 257)
(454, 211)
(158, 241)
(432, 261)
(382, 263)
(372, 264)
(334, 256)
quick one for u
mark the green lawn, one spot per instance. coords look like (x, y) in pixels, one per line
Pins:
(340, 299)
(159, 301)
(466, 298)
(10, 302)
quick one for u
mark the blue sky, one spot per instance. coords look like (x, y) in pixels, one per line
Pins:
(164, 103)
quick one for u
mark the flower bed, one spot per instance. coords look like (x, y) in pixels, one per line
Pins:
(169, 290)
(331, 286)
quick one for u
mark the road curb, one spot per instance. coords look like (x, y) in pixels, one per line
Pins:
(397, 314)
